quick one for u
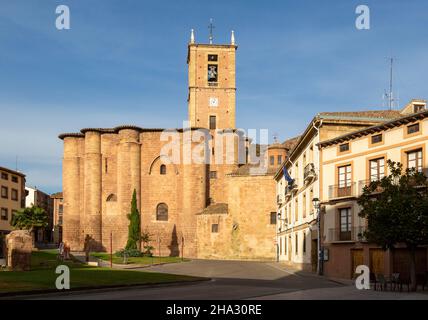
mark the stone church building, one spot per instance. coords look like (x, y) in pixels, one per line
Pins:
(214, 209)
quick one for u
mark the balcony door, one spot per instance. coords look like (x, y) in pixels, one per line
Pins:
(345, 180)
(345, 224)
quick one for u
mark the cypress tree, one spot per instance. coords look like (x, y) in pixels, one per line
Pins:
(134, 225)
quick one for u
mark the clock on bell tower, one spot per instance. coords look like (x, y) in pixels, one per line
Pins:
(212, 86)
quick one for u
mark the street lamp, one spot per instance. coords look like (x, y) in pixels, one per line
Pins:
(317, 206)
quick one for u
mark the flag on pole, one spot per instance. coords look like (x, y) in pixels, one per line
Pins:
(287, 177)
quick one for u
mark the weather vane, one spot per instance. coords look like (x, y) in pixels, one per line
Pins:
(211, 27)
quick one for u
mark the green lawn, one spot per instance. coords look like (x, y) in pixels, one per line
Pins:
(137, 260)
(43, 276)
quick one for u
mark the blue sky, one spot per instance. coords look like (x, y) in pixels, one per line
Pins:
(124, 62)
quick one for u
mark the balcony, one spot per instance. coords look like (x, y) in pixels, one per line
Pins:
(353, 235)
(364, 183)
(340, 191)
(309, 172)
(291, 188)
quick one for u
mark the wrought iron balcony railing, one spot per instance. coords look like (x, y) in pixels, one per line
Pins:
(309, 172)
(342, 191)
(353, 234)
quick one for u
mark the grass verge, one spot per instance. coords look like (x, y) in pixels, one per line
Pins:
(138, 260)
(43, 276)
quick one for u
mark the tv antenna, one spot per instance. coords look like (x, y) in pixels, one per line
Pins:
(389, 96)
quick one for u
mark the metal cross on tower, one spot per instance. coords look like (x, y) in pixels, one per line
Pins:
(211, 27)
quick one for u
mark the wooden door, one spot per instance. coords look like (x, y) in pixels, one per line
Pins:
(377, 261)
(357, 257)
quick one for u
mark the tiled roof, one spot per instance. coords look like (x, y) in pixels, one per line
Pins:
(383, 114)
(383, 126)
(12, 171)
(244, 170)
(216, 208)
(290, 143)
(57, 195)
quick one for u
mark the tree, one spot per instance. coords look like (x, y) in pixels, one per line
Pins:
(134, 236)
(30, 218)
(396, 209)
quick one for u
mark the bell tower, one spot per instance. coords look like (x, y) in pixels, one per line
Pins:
(212, 86)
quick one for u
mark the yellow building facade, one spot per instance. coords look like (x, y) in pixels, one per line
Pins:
(350, 162)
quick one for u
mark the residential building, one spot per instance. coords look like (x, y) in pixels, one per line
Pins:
(297, 229)
(36, 197)
(58, 210)
(350, 162)
(12, 199)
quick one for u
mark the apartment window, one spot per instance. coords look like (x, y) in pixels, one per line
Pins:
(414, 160)
(272, 160)
(4, 214)
(13, 212)
(213, 122)
(304, 205)
(105, 165)
(311, 192)
(279, 159)
(162, 212)
(273, 218)
(297, 244)
(345, 224)
(344, 147)
(213, 174)
(214, 228)
(4, 176)
(413, 128)
(4, 192)
(304, 159)
(285, 245)
(377, 169)
(344, 175)
(212, 57)
(60, 208)
(304, 243)
(162, 169)
(60, 219)
(14, 194)
(376, 138)
(296, 209)
(418, 107)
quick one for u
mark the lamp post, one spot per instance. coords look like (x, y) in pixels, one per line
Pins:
(277, 238)
(316, 203)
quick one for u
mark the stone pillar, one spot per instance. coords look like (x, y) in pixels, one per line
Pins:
(92, 189)
(128, 179)
(194, 200)
(71, 190)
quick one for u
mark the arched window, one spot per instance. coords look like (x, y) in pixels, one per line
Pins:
(163, 169)
(162, 212)
(112, 197)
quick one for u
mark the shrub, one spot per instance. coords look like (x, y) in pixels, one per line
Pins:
(128, 253)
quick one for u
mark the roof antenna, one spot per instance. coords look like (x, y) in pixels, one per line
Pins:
(389, 95)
